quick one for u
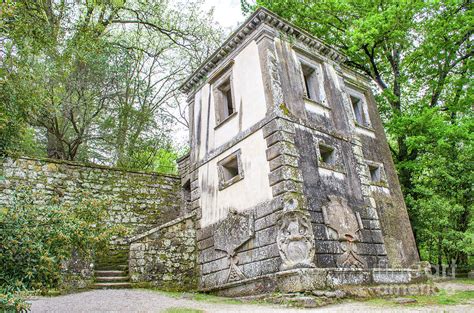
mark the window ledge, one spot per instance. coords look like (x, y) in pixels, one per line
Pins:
(225, 120)
(369, 128)
(231, 181)
(322, 104)
(331, 167)
(382, 183)
(377, 188)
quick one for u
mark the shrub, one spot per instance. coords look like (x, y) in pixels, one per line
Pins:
(10, 302)
(36, 241)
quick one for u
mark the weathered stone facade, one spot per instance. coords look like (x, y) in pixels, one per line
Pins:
(354, 282)
(290, 162)
(165, 255)
(289, 185)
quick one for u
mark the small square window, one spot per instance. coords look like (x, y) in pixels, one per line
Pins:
(375, 175)
(357, 107)
(230, 170)
(224, 100)
(311, 80)
(327, 155)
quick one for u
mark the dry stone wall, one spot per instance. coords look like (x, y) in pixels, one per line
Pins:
(166, 255)
(163, 255)
(138, 200)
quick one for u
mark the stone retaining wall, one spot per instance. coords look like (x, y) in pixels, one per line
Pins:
(139, 200)
(166, 255)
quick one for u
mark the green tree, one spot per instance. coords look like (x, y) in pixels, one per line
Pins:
(13, 126)
(93, 77)
(419, 56)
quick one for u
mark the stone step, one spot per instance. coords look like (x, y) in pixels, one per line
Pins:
(111, 279)
(110, 273)
(112, 285)
(111, 267)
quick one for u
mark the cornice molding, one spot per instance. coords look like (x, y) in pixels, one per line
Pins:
(260, 16)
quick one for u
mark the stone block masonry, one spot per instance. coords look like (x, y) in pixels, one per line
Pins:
(138, 200)
(165, 256)
(298, 176)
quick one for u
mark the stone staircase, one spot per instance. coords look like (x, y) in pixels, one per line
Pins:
(111, 277)
(111, 270)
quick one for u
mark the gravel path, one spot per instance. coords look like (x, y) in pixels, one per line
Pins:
(133, 300)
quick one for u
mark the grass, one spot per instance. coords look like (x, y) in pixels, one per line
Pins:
(441, 298)
(182, 310)
(467, 281)
(214, 299)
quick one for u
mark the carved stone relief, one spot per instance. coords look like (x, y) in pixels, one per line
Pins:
(230, 235)
(295, 240)
(275, 78)
(343, 225)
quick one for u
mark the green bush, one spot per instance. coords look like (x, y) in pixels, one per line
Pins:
(10, 302)
(36, 241)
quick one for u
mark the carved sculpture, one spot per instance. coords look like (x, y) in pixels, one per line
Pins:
(275, 78)
(230, 235)
(295, 240)
(343, 225)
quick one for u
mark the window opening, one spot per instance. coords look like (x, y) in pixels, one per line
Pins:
(327, 154)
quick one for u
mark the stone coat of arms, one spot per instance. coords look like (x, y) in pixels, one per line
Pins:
(230, 235)
(295, 240)
(343, 225)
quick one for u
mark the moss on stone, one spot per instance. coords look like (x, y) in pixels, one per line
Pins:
(285, 109)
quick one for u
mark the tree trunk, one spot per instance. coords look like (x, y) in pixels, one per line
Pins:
(55, 148)
(440, 253)
(464, 225)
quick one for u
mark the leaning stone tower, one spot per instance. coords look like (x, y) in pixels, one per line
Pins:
(289, 172)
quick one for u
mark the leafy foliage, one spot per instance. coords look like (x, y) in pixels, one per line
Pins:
(12, 302)
(37, 240)
(97, 81)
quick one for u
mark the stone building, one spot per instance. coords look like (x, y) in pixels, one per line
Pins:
(289, 173)
(289, 185)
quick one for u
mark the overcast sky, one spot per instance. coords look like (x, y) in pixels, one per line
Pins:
(226, 12)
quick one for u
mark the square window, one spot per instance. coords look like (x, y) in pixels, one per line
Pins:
(357, 107)
(230, 170)
(224, 100)
(311, 75)
(375, 175)
(327, 155)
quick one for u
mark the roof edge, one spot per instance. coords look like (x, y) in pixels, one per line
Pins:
(261, 15)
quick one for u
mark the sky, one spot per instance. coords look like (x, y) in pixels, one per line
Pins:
(226, 12)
